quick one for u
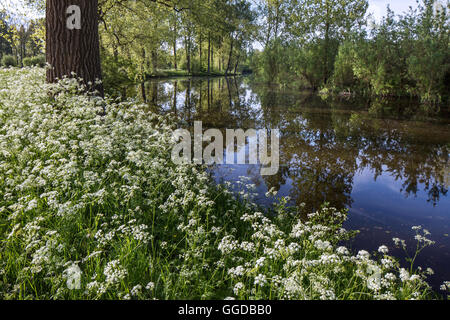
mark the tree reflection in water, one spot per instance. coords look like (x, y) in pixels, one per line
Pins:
(323, 145)
(387, 162)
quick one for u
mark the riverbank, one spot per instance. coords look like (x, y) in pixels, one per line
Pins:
(92, 207)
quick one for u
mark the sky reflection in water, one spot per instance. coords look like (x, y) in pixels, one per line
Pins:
(389, 164)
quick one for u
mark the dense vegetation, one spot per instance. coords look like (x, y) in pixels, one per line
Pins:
(87, 183)
(329, 45)
(334, 45)
(99, 194)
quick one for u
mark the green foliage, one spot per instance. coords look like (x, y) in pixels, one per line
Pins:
(326, 45)
(38, 61)
(344, 76)
(9, 61)
(148, 34)
(429, 61)
(118, 74)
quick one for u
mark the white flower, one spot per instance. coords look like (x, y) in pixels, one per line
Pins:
(390, 277)
(399, 242)
(260, 280)
(136, 290)
(383, 249)
(322, 245)
(445, 286)
(260, 262)
(342, 251)
(114, 272)
(404, 275)
(363, 255)
(238, 287)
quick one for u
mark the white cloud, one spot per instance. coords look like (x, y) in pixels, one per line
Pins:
(378, 7)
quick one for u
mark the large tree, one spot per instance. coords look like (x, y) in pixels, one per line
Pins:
(73, 46)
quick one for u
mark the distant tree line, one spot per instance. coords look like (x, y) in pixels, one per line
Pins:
(20, 44)
(327, 45)
(334, 45)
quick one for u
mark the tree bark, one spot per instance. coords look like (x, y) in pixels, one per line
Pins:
(175, 91)
(212, 56)
(154, 61)
(327, 41)
(200, 50)
(175, 45)
(175, 54)
(237, 63)
(144, 95)
(230, 56)
(73, 50)
(209, 52)
(188, 53)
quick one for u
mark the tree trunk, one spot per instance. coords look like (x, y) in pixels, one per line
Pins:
(73, 50)
(188, 53)
(229, 57)
(212, 56)
(325, 62)
(154, 61)
(175, 53)
(144, 95)
(237, 63)
(209, 52)
(175, 91)
(175, 45)
(200, 51)
(209, 94)
(327, 41)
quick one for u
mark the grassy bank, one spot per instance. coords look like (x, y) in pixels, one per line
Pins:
(99, 194)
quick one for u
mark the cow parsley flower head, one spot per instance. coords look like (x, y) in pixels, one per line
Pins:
(260, 280)
(383, 249)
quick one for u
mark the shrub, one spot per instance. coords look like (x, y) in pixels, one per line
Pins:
(118, 74)
(9, 61)
(27, 62)
(37, 61)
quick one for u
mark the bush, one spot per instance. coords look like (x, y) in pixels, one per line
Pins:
(38, 61)
(9, 61)
(118, 74)
(27, 62)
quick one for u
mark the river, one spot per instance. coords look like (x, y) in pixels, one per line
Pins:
(388, 163)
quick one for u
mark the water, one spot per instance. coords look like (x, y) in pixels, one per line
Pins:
(388, 163)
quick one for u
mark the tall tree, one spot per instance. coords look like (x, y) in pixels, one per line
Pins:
(73, 48)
